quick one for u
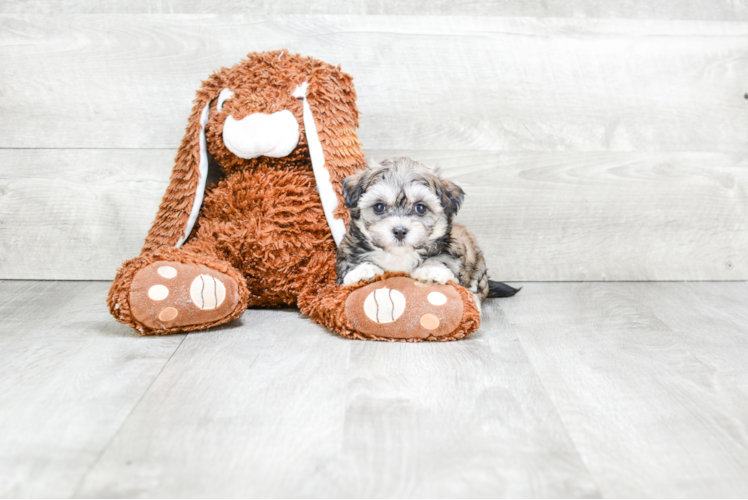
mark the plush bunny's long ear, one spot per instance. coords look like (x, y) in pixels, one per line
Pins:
(330, 121)
(184, 195)
(321, 175)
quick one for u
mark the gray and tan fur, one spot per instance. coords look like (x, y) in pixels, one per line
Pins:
(401, 221)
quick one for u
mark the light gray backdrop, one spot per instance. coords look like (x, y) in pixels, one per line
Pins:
(595, 140)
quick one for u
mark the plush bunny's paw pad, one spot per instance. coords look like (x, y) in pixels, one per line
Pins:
(402, 308)
(171, 294)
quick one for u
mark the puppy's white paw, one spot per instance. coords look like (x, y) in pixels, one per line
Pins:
(362, 272)
(433, 273)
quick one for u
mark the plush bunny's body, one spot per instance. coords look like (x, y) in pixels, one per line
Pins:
(277, 134)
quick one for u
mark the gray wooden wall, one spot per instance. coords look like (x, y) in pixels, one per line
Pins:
(597, 140)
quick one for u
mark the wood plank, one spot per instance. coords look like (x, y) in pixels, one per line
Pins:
(604, 216)
(649, 417)
(282, 408)
(77, 214)
(710, 320)
(424, 82)
(612, 389)
(725, 10)
(69, 377)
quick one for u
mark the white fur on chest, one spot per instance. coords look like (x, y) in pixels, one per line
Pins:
(405, 263)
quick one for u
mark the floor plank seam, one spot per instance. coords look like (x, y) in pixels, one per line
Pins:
(683, 337)
(561, 419)
(104, 448)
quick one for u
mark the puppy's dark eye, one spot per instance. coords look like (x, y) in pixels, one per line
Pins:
(420, 208)
(379, 208)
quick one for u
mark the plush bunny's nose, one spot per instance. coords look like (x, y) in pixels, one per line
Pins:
(258, 134)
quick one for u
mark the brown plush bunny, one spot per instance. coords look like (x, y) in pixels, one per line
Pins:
(278, 131)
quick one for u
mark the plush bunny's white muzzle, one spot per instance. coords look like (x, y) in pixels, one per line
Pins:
(258, 134)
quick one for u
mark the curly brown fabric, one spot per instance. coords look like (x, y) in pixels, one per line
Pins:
(263, 224)
(118, 299)
(327, 307)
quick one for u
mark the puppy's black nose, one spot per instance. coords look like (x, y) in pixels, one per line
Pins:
(400, 233)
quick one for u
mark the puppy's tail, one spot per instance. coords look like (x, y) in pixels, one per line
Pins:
(498, 289)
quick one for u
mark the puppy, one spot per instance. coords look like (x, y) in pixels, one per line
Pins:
(401, 221)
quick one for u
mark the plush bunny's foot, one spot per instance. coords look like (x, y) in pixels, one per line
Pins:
(165, 295)
(403, 309)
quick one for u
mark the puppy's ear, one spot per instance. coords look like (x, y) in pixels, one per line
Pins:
(353, 188)
(451, 196)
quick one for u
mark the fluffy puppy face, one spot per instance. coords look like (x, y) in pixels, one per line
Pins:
(401, 206)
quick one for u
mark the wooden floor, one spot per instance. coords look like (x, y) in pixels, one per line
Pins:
(568, 389)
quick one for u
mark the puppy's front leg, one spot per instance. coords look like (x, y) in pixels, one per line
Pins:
(433, 272)
(362, 272)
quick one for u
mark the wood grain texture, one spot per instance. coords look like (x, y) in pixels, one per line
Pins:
(69, 378)
(710, 321)
(650, 415)
(278, 407)
(77, 214)
(604, 216)
(424, 82)
(640, 9)
(567, 390)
